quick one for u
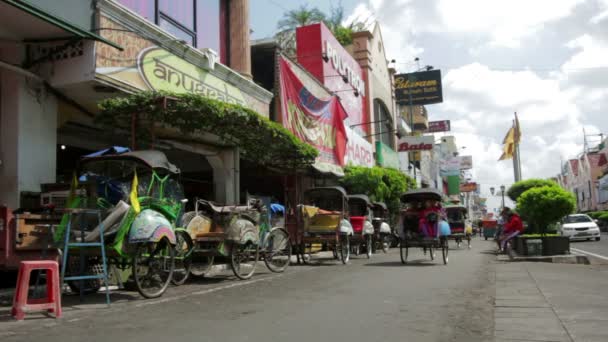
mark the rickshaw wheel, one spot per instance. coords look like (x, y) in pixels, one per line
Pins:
(92, 266)
(344, 248)
(444, 250)
(199, 269)
(153, 265)
(403, 251)
(368, 247)
(183, 257)
(386, 243)
(304, 256)
(277, 250)
(241, 255)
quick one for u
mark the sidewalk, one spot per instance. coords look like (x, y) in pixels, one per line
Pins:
(551, 302)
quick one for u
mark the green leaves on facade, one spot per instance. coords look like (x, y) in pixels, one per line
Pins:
(259, 139)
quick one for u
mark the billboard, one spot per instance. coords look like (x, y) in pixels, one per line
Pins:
(419, 88)
(466, 162)
(438, 126)
(468, 187)
(449, 167)
(415, 143)
(323, 56)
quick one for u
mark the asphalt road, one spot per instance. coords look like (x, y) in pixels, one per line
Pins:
(599, 248)
(368, 300)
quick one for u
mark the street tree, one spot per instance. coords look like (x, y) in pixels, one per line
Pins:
(517, 189)
(380, 184)
(545, 205)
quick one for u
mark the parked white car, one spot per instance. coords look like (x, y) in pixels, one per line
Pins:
(579, 227)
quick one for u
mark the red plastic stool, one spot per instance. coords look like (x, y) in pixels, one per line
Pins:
(52, 302)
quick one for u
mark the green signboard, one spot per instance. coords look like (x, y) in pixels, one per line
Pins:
(453, 185)
(386, 156)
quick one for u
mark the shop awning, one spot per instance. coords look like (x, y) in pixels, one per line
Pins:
(29, 23)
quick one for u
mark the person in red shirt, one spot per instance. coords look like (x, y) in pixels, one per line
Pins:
(513, 227)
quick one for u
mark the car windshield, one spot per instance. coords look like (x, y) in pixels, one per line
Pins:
(577, 219)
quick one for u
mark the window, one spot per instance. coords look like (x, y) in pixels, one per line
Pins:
(196, 22)
(384, 123)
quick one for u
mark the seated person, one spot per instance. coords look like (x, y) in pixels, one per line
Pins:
(512, 227)
(429, 217)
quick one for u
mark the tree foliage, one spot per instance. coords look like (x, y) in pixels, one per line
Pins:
(380, 184)
(545, 205)
(305, 15)
(260, 140)
(517, 189)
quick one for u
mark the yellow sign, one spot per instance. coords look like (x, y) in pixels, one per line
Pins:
(163, 70)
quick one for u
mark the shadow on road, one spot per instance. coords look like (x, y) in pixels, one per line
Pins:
(413, 263)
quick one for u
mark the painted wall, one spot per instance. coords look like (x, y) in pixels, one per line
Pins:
(28, 138)
(312, 41)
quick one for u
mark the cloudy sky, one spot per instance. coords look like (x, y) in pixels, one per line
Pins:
(545, 59)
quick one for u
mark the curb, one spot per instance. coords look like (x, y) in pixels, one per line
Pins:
(556, 259)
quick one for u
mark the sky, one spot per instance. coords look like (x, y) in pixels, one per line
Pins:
(547, 60)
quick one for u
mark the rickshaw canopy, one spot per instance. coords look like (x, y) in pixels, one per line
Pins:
(360, 198)
(456, 207)
(381, 205)
(150, 158)
(336, 189)
(423, 194)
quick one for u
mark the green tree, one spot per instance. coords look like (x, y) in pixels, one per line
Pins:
(545, 205)
(380, 184)
(292, 19)
(304, 16)
(520, 187)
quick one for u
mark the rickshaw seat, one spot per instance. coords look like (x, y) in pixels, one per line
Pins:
(115, 217)
(223, 209)
(357, 222)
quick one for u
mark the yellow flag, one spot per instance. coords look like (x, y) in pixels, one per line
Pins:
(133, 194)
(510, 137)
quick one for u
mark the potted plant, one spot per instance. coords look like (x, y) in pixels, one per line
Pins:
(544, 206)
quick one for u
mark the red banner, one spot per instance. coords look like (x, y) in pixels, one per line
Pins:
(315, 121)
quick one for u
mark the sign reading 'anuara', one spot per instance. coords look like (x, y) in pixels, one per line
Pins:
(162, 70)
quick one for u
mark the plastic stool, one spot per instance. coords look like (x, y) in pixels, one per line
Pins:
(52, 302)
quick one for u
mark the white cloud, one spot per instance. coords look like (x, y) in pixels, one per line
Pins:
(507, 22)
(592, 53)
(603, 15)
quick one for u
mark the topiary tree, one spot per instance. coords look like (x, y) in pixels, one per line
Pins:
(545, 205)
(380, 184)
(522, 186)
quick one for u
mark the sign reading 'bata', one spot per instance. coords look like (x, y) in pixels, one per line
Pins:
(415, 143)
(419, 88)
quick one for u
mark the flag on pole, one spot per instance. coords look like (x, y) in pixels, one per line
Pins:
(133, 195)
(508, 145)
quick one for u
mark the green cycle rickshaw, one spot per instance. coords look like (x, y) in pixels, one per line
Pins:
(135, 199)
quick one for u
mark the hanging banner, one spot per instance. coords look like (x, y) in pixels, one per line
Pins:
(315, 121)
(438, 126)
(415, 143)
(419, 88)
(359, 152)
